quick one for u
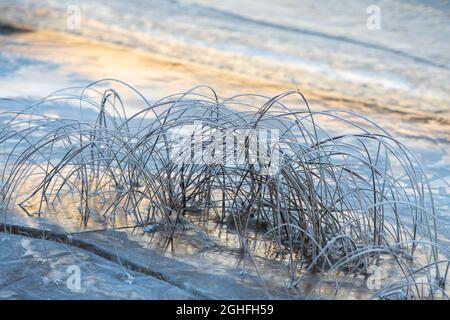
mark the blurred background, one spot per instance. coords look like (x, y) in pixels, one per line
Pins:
(396, 52)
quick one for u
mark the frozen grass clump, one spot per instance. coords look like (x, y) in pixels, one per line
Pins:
(343, 196)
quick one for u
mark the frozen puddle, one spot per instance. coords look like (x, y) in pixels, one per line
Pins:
(136, 263)
(39, 269)
(131, 264)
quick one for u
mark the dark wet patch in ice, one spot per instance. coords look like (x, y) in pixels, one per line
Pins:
(9, 29)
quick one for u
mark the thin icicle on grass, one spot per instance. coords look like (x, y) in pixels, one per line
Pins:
(346, 196)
